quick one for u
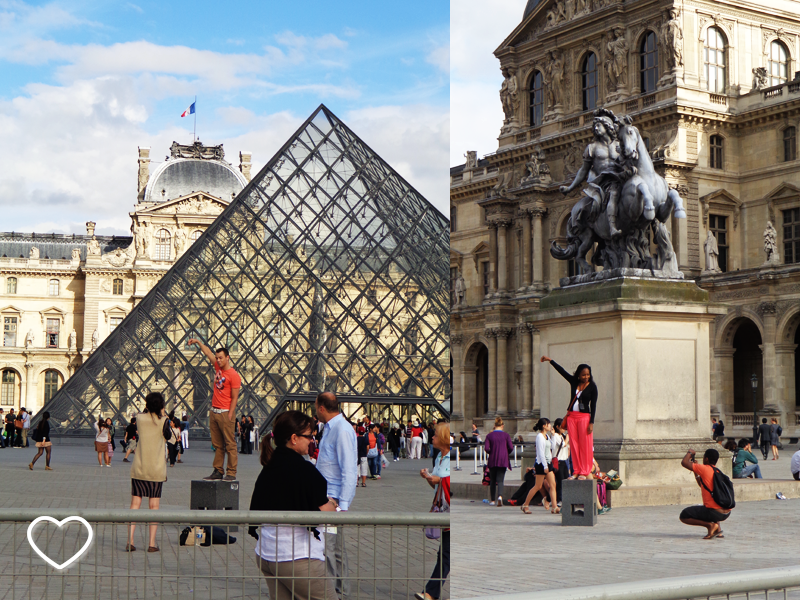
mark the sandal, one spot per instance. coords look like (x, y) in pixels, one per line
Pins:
(556, 511)
(525, 509)
(153, 549)
(130, 548)
(363, 485)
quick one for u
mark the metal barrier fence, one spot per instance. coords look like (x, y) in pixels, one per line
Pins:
(388, 554)
(762, 584)
(479, 456)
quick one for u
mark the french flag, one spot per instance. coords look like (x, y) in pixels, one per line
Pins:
(189, 111)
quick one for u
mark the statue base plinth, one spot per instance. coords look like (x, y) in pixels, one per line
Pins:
(607, 274)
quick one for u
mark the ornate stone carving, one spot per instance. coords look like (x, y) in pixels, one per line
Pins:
(536, 168)
(76, 254)
(554, 79)
(712, 254)
(33, 253)
(95, 339)
(105, 286)
(200, 206)
(456, 339)
(557, 14)
(572, 161)
(128, 286)
(93, 247)
(73, 340)
(472, 160)
(617, 63)
(500, 189)
(180, 240)
(144, 171)
(460, 291)
(760, 78)
(141, 239)
(767, 308)
(29, 339)
(509, 97)
(672, 40)
(502, 333)
(771, 245)
(196, 150)
(118, 258)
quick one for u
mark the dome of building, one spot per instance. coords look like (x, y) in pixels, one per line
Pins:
(194, 169)
(532, 4)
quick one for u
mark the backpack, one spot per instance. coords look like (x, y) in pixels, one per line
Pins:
(779, 430)
(723, 489)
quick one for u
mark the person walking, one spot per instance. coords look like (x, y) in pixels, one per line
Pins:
(543, 468)
(394, 442)
(498, 446)
(579, 421)
(373, 455)
(764, 437)
(130, 439)
(149, 468)
(185, 432)
(41, 437)
(173, 440)
(101, 440)
(227, 384)
(440, 481)
(292, 558)
(111, 445)
(407, 438)
(362, 458)
(710, 514)
(337, 462)
(775, 432)
(26, 426)
(416, 441)
(741, 469)
(559, 443)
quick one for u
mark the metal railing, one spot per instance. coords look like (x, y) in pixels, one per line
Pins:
(760, 584)
(387, 554)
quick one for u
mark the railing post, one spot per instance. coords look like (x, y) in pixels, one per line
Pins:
(458, 458)
(475, 461)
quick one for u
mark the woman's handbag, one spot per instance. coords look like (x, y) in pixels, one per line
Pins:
(18, 423)
(372, 453)
(614, 484)
(438, 506)
(37, 435)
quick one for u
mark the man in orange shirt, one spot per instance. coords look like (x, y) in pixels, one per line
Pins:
(227, 384)
(710, 514)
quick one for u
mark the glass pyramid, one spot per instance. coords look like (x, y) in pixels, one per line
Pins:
(327, 272)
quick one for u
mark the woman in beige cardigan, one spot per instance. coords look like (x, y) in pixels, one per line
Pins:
(149, 469)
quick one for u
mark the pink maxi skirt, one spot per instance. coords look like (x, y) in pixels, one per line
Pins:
(581, 444)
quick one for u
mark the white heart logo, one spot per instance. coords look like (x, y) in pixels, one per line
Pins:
(60, 523)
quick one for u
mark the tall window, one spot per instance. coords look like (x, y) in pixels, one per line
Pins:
(791, 236)
(537, 99)
(716, 158)
(162, 245)
(7, 384)
(52, 333)
(719, 227)
(117, 287)
(778, 66)
(486, 274)
(113, 323)
(195, 234)
(789, 144)
(54, 287)
(453, 215)
(649, 63)
(11, 285)
(10, 331)
(589, 82)
(51, 381)
(714, 59)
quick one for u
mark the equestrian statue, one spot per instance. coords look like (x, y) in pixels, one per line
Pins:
(623, 201)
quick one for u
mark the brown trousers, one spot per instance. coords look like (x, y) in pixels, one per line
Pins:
(223, 440)
(302, 579)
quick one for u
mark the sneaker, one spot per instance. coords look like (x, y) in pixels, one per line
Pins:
(125, 460)
(229, 478)
(604, 510)
(780, 496)
(492, 503)
(215, 476)
(377, 476)
(109, 466)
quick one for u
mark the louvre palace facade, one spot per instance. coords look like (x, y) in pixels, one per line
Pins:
(713, 89)
(62, 295)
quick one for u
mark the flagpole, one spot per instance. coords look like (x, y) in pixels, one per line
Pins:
(194, 131)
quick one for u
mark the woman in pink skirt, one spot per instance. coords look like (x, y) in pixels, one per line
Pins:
(579, 421)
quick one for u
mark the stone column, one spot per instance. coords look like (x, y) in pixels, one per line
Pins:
(537, 403)
(768, 311)
(525, 330)
(526, 249)
(30, 386)
(502, 370)
(493, 258)
(784, 356)
(538, 244)
(722, 394)
(491, 336)
(502, 258)
(456, 349)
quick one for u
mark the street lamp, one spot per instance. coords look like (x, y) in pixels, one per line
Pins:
(754, 383)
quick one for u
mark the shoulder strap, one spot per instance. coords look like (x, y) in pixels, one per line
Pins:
(703, 483)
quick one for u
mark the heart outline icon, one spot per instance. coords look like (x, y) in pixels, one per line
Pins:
(76, 556)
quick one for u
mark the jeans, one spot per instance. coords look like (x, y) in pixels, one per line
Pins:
(373, 464)
(765, 449)
(496, 477)
(746, 471)
(336, 561)
(442, 568)
(378, 464)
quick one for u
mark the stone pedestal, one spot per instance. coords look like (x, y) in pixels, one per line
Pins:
(578, 506)
(647, 342)
(215, 495)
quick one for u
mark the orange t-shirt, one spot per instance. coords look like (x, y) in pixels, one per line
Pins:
(224, 382)
(372, 441)
(706, 473)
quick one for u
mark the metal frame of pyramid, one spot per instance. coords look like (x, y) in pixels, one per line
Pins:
(327, 272)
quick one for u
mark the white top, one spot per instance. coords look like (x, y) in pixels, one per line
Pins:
(544, 454)
(576, 407)
(287, 543)
(796, 462)
(556, 441)
(101, 435)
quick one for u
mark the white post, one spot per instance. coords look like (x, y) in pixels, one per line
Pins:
(515, 456)
(458, 458)
(475, 461)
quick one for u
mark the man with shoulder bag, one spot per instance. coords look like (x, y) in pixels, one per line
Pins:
(717, 492)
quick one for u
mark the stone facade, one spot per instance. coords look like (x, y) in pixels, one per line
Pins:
(61, 295)
(721, 132)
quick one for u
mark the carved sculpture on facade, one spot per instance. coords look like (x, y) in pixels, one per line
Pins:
(617, 62)
(460, 291)
(557, 14)
(572, 161)
(76, 254)
(672, 40)
(73, 340)
(536, 168)
(93, 247)
(554, 74)
(500, 189)
(29, 339)
(105, 286)
(180, 241)
(760, 78)
(141, 238)
(472, 160)
(622, 200)
(117, 258)
(712, 254)
(95, 339)
(196, 150)
(33, 253)
(509, 96)
(771, 244)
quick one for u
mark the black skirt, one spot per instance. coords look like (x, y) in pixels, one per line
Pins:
(146, 489)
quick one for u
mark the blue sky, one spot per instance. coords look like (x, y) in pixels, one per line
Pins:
(83, 83)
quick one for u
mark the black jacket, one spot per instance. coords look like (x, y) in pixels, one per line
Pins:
(362, 445)
(587, 403)
(764, 433)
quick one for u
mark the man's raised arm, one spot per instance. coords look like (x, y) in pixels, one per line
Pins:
(203, 348)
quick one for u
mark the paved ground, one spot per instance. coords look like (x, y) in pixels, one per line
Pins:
(628, 544)
(77, 481)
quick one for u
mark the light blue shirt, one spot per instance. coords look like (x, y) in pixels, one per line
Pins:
(442, 465)
(338, 460)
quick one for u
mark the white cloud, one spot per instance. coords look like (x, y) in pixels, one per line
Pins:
(475, 78)
(440, 58)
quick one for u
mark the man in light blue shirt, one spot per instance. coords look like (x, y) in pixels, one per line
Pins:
(338, 463)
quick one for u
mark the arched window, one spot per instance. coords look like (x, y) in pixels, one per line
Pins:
(51, 384)
(537, 99)
(714, 59)
(649, 63)
(117, 287)
(789, 144)
(453, 215)
(162, 245)
(196, 234)
(54, 287)
(11, 285)
(778, 67)
(716, 158)
(8, 382)
(589, 82)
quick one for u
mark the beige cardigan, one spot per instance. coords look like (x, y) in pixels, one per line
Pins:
(149, 462)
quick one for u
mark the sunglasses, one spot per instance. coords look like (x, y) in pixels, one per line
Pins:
(308, 437)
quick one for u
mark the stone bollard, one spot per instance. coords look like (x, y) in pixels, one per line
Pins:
(578, 502)
(215, 495)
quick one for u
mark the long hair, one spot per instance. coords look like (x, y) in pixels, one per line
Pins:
(541, 423)
(580, 368)
(154, 404)
(45, 418)
(290, 423)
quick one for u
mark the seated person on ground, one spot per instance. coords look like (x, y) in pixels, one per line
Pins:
(795, 466)
(744, 455)
(710, 514)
